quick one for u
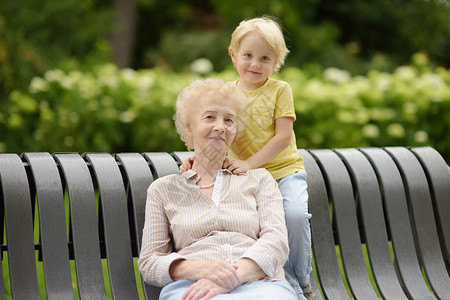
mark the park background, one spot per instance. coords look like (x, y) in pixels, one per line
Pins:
(99, 75)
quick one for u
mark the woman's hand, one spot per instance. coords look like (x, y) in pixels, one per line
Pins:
(221, 273)
(204, 288)
(187, 164)
(236, 166)
(207, 287)
(248, 270)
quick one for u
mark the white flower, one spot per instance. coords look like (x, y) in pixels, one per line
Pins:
(371, 131)
(405, 73)
(202, 66)
(410, 108)
(38, 85)
(336, 75)
(421, 136)
(144, 84)
(54, 75)
(396, 130)
(433, 80)
(128, 75)
(67, 82)
(127, 117)
(88, 87)
(383, 81)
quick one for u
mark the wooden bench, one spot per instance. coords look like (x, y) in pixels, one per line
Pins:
(394, 202)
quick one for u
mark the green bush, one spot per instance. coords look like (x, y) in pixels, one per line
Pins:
(410, 106)
(112, 110)
(106, 109)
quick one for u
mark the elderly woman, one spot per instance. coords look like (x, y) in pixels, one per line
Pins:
(228, 231)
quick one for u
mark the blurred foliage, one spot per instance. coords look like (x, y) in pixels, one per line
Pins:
(106, 109)
(354, 35)
(410, 106)
(396, 29)
(60, 92)
(37, 35)
(114, 110)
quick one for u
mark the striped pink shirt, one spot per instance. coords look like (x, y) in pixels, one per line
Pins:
(244, 219)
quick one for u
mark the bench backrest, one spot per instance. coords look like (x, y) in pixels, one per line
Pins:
(89, 209)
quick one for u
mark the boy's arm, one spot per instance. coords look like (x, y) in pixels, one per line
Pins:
(187, 164)
(279, 142)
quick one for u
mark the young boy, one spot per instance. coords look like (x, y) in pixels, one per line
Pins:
(257, 49)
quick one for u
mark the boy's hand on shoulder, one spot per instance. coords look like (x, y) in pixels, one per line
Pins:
(187, 164)
(236, 166)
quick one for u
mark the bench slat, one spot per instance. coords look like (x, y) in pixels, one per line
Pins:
(115, 223)
(373, 221)
(340, 189)
(323, 243)
(138, 177)
(19, 227)
(438, 174)
(419, 198)
(52, 225)
(396, 208)
(180, 157)
(162, 163)
(84, 225)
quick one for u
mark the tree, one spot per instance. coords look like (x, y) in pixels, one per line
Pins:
(124, 31)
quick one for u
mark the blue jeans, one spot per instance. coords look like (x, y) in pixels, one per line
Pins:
(258, 290)
(295, 201)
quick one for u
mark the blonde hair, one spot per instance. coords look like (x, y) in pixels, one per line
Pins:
(270, 29)
(213, 90)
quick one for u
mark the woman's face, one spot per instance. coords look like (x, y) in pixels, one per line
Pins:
(213, 127)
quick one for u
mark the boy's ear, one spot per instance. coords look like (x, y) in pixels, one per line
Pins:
(233, 58)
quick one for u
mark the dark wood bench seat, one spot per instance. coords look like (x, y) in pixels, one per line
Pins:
(381, 213)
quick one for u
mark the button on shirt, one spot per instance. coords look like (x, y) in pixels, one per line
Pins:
(243, 219)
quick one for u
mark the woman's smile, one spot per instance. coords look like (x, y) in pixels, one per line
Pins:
(217, 138)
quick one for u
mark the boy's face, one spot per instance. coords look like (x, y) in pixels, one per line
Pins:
(254, 61)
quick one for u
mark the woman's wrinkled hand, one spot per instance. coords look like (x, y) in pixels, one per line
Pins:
(204, 288)
(221, 273)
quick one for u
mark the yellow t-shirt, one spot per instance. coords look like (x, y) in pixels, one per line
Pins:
(264, 105)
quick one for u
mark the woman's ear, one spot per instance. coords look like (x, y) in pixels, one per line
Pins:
(188, 128)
